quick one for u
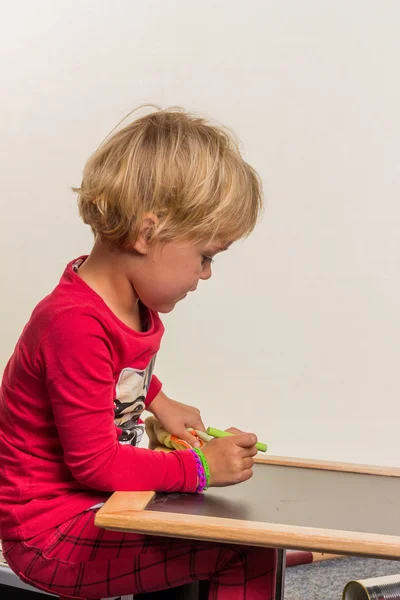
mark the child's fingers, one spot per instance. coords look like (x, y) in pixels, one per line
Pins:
(252, 451)
(198, 424)
(245, 440)
(245, 475)
(247, 452)
(185, 435)
(248, 462)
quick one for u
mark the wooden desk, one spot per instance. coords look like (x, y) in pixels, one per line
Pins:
(288, 503)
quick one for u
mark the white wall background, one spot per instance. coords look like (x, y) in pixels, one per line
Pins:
(297, 335)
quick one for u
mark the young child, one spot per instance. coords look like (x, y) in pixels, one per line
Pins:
(163, 196)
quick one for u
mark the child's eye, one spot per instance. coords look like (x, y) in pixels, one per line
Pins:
(207, 259)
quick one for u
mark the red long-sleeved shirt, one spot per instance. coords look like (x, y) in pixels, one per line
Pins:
(70, 405)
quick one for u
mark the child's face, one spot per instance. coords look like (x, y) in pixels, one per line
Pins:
(169, 271)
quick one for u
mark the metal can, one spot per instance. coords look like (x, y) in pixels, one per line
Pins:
(376, 588)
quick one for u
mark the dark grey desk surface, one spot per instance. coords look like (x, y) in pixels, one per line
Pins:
(289, 503)
(301, 497)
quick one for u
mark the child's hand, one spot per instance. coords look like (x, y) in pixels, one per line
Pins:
(175, 417)
(230, 459)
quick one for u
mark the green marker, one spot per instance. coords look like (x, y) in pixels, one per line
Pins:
(217, 433)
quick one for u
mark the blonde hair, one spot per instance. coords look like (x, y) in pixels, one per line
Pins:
(186, 171)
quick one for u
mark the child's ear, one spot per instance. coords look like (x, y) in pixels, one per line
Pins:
(149, 224)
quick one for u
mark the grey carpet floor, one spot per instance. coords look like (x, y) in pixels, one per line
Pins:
(325, 580)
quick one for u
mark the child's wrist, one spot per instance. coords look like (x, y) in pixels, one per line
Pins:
(203, 472)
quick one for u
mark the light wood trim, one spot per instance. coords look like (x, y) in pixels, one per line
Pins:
(326, 465)
(121, 502)
(251, 533)
(311, 463)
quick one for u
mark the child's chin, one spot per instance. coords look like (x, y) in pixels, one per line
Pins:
(166, 308)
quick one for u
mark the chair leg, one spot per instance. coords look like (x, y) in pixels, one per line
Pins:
(190, 591)
(197, 590)
(204, 588)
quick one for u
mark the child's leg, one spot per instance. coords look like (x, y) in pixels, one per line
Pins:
(78, 560)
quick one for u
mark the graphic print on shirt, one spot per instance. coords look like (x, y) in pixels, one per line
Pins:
(131, 391)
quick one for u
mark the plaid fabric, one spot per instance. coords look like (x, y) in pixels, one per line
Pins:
(80, 561)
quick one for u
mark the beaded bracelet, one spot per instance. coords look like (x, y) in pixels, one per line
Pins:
(204, 464)
(201, 473)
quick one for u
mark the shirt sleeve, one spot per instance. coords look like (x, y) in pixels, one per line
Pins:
(76, 357)
(154, 390)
